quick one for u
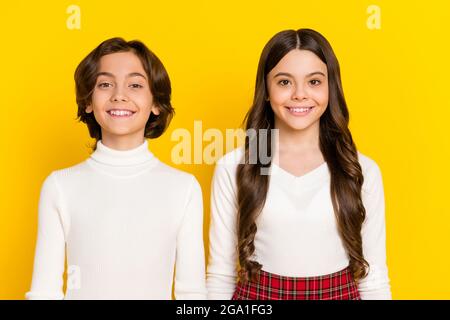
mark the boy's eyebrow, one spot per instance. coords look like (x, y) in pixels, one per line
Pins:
(108, 74)
(137, 74)
(132, 74)
(286, 74)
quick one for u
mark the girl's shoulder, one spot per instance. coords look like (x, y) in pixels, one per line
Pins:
(370, 169)
(227, 164)
(367, 163)
(232, 158)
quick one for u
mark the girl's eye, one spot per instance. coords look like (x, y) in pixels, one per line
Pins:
(284, 82)
(315, 82)
(104, 85)
(136, 85)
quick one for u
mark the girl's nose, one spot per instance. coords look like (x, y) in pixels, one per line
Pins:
(299, 93)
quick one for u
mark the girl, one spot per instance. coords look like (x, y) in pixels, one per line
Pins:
(314, 228)
(123, 218)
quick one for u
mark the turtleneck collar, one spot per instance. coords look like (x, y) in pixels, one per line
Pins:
(133, 157)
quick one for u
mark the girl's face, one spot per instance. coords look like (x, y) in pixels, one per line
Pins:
(122, 101)
(298, 90)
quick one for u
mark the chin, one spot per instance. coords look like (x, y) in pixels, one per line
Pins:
(299, 126)
(121, 131)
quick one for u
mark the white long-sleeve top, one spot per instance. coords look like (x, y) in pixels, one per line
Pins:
(297, 233)
(125, 221)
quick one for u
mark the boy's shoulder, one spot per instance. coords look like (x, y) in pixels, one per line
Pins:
(73, 170)
(65, 176)
(172, 174)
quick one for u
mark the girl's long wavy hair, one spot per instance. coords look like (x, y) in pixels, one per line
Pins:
(336, 145)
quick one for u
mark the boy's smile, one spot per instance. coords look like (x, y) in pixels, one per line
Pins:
(120, 113)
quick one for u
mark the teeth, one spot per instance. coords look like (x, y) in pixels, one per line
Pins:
(120, 112)
(299, 109)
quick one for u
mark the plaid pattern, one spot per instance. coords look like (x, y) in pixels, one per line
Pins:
(336, 286)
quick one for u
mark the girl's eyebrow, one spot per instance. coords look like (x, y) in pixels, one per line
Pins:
(132, 74)
(314, 73)
(279, 74)
(286, 74)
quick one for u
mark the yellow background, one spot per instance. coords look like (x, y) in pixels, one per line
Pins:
(395, 80)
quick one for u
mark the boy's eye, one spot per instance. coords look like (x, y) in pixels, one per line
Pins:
(136, 85)
(284, 82)
(104, 85)
(315, 82)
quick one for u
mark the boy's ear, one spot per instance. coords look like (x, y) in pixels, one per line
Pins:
(155, 110)
(88, 109)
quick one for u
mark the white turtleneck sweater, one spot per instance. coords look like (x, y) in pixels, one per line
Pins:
(124, 221)
(297, 233)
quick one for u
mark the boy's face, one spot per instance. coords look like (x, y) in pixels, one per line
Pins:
(122, 100)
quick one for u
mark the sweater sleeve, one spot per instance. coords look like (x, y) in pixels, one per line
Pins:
(190, 258)
(48, 271)
(376, 285)
(222, 266)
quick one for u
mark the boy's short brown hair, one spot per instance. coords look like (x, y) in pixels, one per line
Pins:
(159, 82)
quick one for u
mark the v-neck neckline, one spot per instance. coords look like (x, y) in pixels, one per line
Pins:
(308, 178)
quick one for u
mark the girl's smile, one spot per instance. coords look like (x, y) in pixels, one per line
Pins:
(300, 111)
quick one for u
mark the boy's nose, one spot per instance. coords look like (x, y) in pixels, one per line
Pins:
(118, 96)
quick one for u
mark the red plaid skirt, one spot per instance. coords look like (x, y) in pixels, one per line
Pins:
(336, 286)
